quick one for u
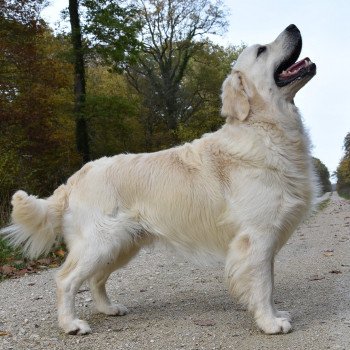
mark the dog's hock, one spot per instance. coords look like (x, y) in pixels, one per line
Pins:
(235, 102)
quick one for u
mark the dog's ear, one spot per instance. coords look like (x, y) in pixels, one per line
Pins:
(235, 103)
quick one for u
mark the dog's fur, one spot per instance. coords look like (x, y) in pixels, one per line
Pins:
(237, 193)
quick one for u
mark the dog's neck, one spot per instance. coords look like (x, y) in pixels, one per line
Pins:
(266, 125)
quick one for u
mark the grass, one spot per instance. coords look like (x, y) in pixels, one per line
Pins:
(324, 204)
(344, 195)
(7, 253)
(9, 257)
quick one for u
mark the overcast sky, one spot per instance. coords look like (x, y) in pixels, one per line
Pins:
(325, 26)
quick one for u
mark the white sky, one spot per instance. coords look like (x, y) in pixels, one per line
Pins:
(325, 27)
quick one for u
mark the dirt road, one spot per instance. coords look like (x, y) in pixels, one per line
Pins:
(176, 305)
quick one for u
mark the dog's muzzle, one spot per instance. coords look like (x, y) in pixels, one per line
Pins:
(289, 71)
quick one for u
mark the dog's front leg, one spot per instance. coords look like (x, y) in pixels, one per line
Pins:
(249, 271)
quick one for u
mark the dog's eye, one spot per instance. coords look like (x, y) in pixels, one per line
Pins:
(261, 49)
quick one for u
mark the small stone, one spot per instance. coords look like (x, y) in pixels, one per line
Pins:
(34, 336)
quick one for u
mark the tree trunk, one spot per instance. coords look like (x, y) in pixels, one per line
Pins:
(82, 137)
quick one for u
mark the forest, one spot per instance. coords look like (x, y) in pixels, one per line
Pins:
(135, 76)
(145, 77)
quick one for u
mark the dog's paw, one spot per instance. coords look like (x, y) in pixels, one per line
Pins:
(77, 327)
(113, 309)
(275, 325)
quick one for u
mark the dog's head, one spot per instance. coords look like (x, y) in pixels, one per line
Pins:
(267, 73)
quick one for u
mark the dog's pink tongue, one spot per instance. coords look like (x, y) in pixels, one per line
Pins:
(296, 67)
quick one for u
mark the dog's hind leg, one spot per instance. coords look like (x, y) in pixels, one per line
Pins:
(73, 273)
(249, 271)
(98, 283)
(98, 247)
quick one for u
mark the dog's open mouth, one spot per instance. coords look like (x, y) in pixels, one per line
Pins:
(289, 70)
(296, 71)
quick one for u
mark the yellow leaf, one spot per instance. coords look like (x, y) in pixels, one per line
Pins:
(60, 252)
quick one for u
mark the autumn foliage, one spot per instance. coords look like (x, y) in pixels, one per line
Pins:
(140, 96)
(343, 170)
(36, 140)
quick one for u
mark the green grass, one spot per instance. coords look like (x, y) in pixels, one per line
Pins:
(324, 204)
(6, 252)
(9, 256)
(344, 195)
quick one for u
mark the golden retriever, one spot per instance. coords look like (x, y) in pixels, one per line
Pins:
(237, 193)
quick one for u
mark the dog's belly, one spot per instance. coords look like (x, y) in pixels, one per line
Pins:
(191, 224)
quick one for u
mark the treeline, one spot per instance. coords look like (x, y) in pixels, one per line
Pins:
(343, 170)
(323, 176)
(152, 79)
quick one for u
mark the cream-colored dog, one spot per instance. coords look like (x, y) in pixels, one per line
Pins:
(237, 193)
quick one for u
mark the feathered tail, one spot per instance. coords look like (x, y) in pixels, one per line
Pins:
(36, 223)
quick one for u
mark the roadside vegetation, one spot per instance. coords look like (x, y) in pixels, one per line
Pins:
(323, 176)
(343, 170)
(324, 204)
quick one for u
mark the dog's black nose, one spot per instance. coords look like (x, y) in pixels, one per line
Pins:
(292, 28)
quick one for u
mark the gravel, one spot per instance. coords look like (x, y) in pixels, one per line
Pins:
(175, 304)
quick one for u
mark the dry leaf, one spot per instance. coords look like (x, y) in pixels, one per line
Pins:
(7, 269)
(53, 265)
(60, 252)
(328, 252)
(316, 278)
(45, 261)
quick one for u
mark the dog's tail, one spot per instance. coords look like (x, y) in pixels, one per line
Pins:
(36, 223)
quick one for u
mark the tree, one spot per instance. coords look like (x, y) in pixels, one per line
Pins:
(35, 124)
(82, 138)
(106, 32)
(201, 87)
(112, 30)
(347, 145)
(112, 108)
(169, 35)
(343, 170)
(323, 175)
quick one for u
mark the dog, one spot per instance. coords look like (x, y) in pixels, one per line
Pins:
(237, 194)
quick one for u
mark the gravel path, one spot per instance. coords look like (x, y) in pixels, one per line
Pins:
(176, 305)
